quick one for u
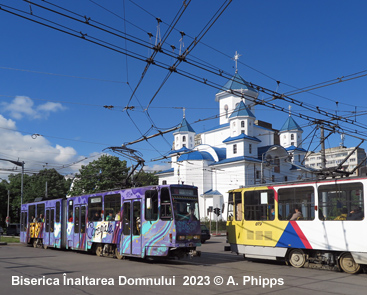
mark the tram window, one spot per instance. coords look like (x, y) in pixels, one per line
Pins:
(166, 211)
(82, 221)
(47, 220)
(112, 204)
(151, 205)
(95, 208)
(136, 219)
(258, 204)
(76, 220)
(341, 201)
(57, 211)
(52, 222)
(126, 218)
(41, 210)
(70, 211)
(302, 198)
(230, 207)
(31, 213)
(238, 206)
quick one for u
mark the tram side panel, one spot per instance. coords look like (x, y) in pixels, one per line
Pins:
(254, 232)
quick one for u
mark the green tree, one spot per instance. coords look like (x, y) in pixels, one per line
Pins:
(107, 172)
(146, 178)
(55, 183)
(3, 201)
(34, 186)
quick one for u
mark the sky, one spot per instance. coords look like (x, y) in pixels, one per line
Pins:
(54, 86)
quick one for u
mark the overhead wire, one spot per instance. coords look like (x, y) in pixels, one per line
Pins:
(336, 118)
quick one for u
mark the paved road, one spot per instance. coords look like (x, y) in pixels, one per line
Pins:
(216, 272)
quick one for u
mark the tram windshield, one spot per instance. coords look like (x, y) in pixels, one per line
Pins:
(185, 204)
(186, 210)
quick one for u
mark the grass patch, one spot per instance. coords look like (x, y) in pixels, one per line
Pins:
(9, 239)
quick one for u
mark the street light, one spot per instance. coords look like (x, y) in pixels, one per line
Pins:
(21, 185)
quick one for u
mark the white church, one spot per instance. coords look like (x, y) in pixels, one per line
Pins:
(240, 151)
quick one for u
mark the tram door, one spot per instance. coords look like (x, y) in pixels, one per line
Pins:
(79, 227)
(131, 243)
(48, 238)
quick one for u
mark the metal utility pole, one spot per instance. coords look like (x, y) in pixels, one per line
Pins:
(322, 139)
(7, 216)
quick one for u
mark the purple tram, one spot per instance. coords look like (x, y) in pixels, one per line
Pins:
(152, 221)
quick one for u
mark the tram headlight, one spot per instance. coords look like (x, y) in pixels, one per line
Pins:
(181, 238)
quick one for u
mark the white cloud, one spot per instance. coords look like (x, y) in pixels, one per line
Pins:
(23, 106)
(37, 153)
(157, 167)
(51, 107)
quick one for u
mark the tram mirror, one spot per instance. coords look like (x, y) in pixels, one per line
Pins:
(149, 203)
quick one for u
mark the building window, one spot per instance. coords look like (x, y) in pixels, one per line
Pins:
(164, 182)
(257, 174)
(235, 148)
(299, 158)
(243, 124)
(292, 136)
(250, 148)
(183, 138)
(285, 178)
(242, 131)
(226, 110)
(292, 143)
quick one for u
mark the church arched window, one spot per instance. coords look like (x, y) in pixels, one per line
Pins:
(242, 124)
(183, 138)
(226, 110)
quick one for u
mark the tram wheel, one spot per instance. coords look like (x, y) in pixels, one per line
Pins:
(297, 258)
(99, 250)
(348, 264)
(118, 254)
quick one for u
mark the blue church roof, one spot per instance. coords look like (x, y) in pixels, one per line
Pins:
(171, 170)
(181, 150)
(290, 124)
(237, 82)
(212, 193)
(294, 148)
(241, 136)
(241, 110)
(185, 126)
(195, 156)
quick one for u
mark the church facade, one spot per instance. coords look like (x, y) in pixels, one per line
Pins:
(240, 151)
